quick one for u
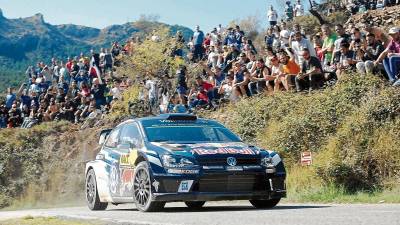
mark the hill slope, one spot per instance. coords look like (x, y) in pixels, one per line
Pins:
(26, 40)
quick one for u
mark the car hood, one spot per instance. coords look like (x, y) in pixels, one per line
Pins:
(209, 149)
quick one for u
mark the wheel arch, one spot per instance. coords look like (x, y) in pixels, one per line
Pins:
(102, 179)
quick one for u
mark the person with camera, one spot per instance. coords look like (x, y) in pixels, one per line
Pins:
(344, 59)
(367, 56)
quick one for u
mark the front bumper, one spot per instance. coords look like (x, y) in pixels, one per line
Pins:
(215, 186)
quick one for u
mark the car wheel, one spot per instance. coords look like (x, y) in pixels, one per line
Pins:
(92, 195)
(265, 204)
(142, 193)
(195, 205)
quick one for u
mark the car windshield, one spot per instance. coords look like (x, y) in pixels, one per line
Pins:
(190, 134)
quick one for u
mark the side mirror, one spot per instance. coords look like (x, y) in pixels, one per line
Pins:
(103, 136)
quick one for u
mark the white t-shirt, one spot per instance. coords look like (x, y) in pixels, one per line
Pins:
(276, 70)
(116, 93)
(299, 9)
(272, 15)
(151, 87)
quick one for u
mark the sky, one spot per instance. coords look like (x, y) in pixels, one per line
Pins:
(102, 13)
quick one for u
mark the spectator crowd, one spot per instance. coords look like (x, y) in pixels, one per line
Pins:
(232, 68)
(65, 90)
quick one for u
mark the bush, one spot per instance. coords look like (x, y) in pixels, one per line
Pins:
(352, 129)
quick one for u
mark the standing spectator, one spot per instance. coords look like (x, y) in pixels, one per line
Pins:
(300, 43)
(197, 39)
(342, 36)
(298, 9)
(272, 16)
(10, 98)
(328, 45)
(289, 11)
(181, 86)
(108, 61)
(391, 56)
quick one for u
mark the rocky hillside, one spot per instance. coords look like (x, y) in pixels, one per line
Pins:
(386, 18)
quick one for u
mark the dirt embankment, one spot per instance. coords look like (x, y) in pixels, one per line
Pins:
(45, 165)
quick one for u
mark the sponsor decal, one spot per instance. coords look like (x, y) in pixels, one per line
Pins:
(251, 167)
(213, 167)
(234, 168)
(243, 151)
(181, 171)
(185, 186)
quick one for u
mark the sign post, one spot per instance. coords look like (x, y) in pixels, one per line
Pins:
(306, 158)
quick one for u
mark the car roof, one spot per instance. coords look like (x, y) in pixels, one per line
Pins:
(174, 118)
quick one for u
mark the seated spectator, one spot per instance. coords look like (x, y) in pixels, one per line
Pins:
(371, 53)
(258, 78)
(310, 74)
(274, 80)
(391, 56)
(343, 60)
(289, 68)
(227, 91)
(239, 81)
(201, 98)
(14, 116)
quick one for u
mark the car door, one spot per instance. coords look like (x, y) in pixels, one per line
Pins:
(110, 149)
(130, 141)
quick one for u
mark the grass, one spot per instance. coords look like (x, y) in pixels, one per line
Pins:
(304, 186)
(29, 220)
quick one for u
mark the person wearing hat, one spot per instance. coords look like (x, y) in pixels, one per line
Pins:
(391, 56)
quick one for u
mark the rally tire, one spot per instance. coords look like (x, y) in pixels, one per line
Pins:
(91, 193)
(195, 204)
(142, 191)
(265, 204)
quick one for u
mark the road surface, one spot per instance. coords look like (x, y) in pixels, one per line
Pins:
(235, 212)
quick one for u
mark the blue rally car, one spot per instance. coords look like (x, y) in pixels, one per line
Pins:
(179, 157)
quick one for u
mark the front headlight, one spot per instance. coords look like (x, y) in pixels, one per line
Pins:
(175, 161)
(267, 162)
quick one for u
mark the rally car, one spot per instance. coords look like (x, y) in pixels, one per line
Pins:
(179, 157)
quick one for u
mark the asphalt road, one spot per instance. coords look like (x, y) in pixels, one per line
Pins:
(234, 212)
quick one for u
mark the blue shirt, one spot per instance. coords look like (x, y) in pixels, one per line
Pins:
(10, 98)
(198, 37)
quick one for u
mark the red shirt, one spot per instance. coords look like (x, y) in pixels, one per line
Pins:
(69, 66)
(202, 95)
(207, 86)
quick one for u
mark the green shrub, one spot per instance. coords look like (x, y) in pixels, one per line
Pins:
(352, 129)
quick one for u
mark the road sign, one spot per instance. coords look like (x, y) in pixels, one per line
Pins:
(306, 158)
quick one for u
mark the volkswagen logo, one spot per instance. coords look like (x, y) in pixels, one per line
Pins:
(231, 161)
